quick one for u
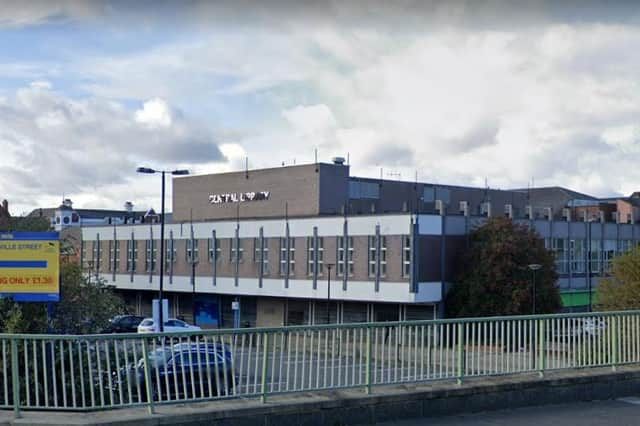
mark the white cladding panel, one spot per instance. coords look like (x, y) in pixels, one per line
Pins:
(327, 226)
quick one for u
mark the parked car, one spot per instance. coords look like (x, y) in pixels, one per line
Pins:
(123, 324)
(183, 370)
(171, 325)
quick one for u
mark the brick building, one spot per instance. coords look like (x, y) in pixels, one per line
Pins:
(263, 241)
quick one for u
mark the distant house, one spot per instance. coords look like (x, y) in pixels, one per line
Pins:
(65, 216)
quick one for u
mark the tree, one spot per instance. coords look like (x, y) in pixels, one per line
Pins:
(85, 307)
(621, 291)
(494, 277)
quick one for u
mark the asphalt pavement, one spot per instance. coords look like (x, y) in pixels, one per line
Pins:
(620, 412)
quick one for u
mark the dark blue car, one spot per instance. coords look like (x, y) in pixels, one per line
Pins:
(183, 371)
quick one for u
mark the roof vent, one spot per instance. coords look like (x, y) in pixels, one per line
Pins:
(339, 161)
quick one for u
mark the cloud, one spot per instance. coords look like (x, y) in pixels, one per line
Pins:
(155, 113)
(55, 144)
(458, 91)
(15, 13)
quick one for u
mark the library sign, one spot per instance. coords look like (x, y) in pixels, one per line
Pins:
(29, 266)
(238, 197)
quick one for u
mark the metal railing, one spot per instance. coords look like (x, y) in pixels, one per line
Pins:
(49, 372)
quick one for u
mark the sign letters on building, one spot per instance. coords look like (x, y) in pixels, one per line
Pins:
(238, 197)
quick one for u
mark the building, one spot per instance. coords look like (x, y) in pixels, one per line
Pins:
(264, 241)
(65, 216)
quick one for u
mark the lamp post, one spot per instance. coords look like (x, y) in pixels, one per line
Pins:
(534, 267)
(329, 265)
(148, 170)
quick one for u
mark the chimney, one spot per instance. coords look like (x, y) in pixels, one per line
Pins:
(128, 206)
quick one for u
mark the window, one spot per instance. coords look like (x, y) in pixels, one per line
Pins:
(311, 249)
(239, 250)
(171, 254)
(265, 253)
(360, 189)
(114, 255)
(210, 250)
(283, 256)
(132, 255)
(608, 253)
(192, 251)
(406, 256)
(594, 256)
(374, 254)
(558, 247)
(96, 254)
(151, 252)
(624, 246)
(345, 256)
(576, 254)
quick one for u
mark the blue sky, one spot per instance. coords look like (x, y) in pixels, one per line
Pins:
(455, 91)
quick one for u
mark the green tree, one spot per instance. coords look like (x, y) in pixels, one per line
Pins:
(621, 291)
(494, 277)
(85, 307)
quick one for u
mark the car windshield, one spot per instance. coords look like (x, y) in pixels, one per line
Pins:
(146, 322)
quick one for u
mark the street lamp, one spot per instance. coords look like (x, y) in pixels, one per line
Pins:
(534, 267)
(148, 170)
(329, 265)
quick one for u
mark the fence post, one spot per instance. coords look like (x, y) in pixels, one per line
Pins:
(460, 352)
(614, 344)
(15, 379)
(368, 369)
(541, 347)
(147, 375)
(265, 354)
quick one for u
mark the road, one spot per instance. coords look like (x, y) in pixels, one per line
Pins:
(621, 412)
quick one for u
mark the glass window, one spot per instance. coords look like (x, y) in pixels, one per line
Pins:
(374, 254)
(150, 259)
(236, 251)
(608, 253)
(114, 255)
(625, 246)
(265, 253)
(406, 256)
(210, 249)
(359, 189)
(576, 253)
(96, 254)
(558, 247)
(171, 254)
(192, 251)
(132, 255)
(345, 256)
(594, 256)
(311, 253)
(283, 255)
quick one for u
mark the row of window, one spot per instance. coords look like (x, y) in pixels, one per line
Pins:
(581, 255)
(315, 263)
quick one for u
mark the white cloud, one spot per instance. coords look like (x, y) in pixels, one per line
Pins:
(155, 113)
(458, 92)
(54, 144)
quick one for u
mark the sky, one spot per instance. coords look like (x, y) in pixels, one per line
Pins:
(507, 94)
